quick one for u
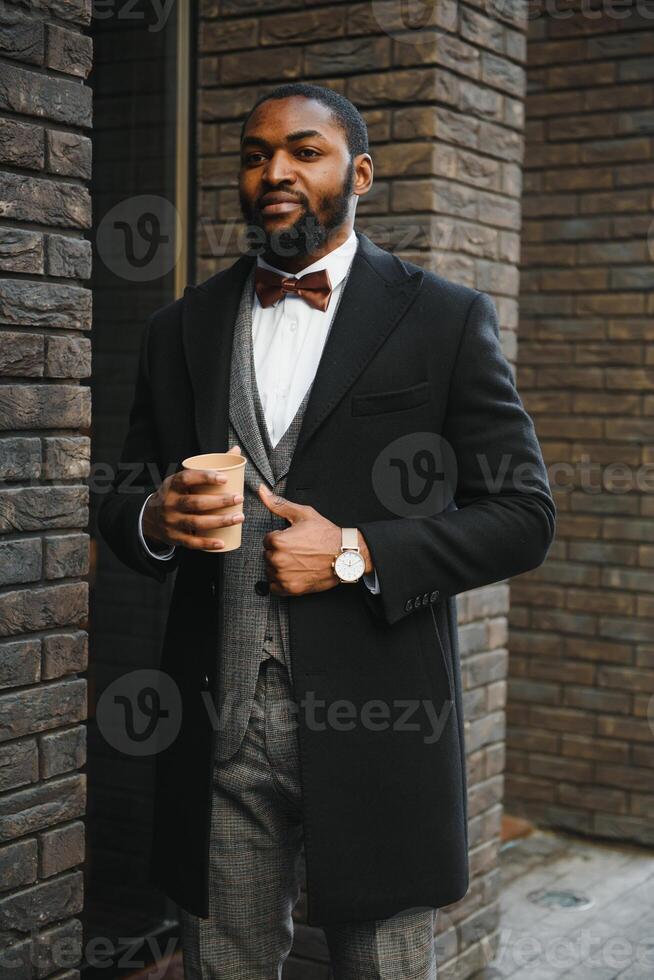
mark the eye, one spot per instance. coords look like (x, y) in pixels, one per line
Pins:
(307, 149)
(248, 158)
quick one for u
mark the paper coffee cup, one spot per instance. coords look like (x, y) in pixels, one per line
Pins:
(233, 467)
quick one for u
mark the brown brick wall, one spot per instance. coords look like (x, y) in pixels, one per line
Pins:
(444, 109)
(582, 626)
(45, 316)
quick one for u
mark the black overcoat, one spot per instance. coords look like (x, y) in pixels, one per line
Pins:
(384, 788)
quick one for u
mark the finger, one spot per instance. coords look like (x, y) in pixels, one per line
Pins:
(195, 503)
(186, 481)
(274, 539)
(196, 543)
(198, 525)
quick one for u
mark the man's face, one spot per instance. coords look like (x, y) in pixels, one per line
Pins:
(296, 177)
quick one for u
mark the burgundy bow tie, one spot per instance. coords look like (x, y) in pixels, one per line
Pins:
(315, 288)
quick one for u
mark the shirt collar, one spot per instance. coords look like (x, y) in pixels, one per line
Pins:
(337, 262)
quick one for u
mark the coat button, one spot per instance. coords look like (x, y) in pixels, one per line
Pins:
(262, 587)
(434, 596)
(205, 682)
(408, 606)
(213, 589)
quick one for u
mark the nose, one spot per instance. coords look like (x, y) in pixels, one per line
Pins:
(279, 168)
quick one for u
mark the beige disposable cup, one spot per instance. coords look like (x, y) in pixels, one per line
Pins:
(233, 467)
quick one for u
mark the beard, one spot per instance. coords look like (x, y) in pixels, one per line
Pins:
(308, 233)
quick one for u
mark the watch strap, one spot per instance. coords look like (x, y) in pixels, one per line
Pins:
(349, 538)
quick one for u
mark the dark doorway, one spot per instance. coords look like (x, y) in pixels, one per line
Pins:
(139, 241)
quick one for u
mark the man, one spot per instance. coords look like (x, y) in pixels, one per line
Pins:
(320, 684)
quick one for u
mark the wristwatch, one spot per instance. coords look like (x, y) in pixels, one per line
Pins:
(349, 564)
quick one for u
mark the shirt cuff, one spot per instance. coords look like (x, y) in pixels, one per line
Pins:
(372, 582)
(163, 555)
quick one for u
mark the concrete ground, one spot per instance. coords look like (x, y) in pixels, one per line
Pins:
(571, 908)
(549, 932)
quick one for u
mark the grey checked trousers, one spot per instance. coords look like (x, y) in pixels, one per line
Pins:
(254, 883)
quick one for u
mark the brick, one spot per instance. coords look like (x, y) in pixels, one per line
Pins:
(66, 457)
(227, 34)
(38, 905)
(633, 70)
(43, 608)
(573, 75)
(437, 48)
(627, 679)
(600, 601)
(61, 848)
(34, 94)
(68, 154)
(565, 719)
(519, 787)
(18, 864)
(479, 100)
(591, 747)
(28, 810)
(62, 751)
(58, 947)
(43, 407)
(19, 763)
(44, 201)
(623, 777)
(633, 277)
(21, 38)
(259, 65)
(412, 85)
(532, 740)
(624, 729)
(66, 555)
(592, 797)
(305, 26)
(20, 561)
(345, 55)
(35, 709)
(21, 354)
(600, 151)
(534, 691)
(67, 256)
(21, 144)
(75, 11)
(21, 251)
(594, 699)
(503, 74)
(69, 51)
(67, 357)
(483, 31)
(556, 768)
(26, 303)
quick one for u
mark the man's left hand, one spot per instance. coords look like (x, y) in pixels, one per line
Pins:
(299, 558)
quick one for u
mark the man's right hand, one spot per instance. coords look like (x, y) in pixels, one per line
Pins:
(176, 514)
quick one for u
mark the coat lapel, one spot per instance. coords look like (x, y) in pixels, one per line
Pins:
(378, 292)
(242, 410)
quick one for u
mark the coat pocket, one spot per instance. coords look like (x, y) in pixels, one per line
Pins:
(447, 666)
(376, 402)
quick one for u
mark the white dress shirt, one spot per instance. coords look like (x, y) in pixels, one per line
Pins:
(288, 340)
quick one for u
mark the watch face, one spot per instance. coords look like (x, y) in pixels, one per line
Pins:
(350, 566)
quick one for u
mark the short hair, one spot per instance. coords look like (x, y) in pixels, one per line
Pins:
(345, 113)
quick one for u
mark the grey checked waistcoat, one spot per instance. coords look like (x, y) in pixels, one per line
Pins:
(253, 627)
